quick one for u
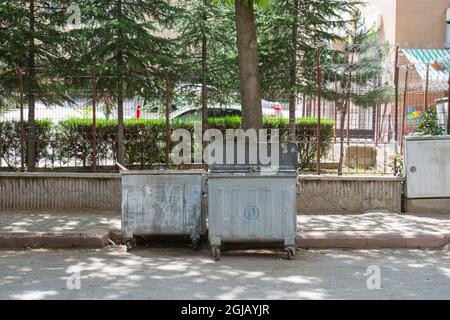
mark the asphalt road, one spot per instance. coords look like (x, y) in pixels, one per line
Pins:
(179, 273)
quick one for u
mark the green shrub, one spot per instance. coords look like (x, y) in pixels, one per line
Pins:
(10, 141)
(400, 166)
(71, 140)
(429, 126)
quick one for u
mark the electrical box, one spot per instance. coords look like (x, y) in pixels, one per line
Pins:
(427, 166)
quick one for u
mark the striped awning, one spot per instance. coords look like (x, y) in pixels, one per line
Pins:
(426, 55)
(438, 60)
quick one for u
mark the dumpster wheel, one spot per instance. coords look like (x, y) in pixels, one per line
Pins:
(130, 244)
(290, 253)
(196, 244)
(216, 252)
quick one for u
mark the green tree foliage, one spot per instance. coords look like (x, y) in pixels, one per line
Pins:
(200, 21)
(32, 38)
(429, 126)
(125, 43)
(315, 22)
(290, 33)
(261, 3)
(356, 72)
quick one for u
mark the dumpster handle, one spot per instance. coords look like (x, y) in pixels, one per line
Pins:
(121, 167)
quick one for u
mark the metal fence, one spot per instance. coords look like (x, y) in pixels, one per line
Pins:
(372, 130)
(390, 105)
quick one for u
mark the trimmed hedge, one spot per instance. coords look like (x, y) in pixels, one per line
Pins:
(10, 141)
(71, 140)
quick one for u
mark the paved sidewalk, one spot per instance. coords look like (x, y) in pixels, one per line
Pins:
(57, 230)
(373, 231)
(376, 222)
(370, 230)
(57, 222)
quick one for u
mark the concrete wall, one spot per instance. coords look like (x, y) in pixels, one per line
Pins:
(60, 191)
(433, 206)
(340, 195)
(102, 192)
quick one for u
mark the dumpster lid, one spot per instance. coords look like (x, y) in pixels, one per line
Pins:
(164, 172)
(257, 157)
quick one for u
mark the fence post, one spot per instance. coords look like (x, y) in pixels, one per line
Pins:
(94, 120)
(319, 85)
(349, 109)
(22, 125)
(396, 79)
(377, 123)
(448, 107)
(335, 115)
(381, 122)
(425, 102)
(404, 110)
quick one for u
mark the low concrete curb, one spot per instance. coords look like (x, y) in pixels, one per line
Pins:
(307, 240)
(69, 239)
(371, 240)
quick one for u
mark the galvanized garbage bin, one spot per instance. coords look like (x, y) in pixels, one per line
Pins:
(248, 203)
(162, 202)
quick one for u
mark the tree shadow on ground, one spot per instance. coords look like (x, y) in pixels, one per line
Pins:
(180, 273)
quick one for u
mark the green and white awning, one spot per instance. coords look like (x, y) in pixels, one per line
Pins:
(438, 60)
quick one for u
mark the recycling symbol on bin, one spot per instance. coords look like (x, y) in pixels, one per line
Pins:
(251, 213)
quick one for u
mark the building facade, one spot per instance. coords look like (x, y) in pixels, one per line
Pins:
(422, 24)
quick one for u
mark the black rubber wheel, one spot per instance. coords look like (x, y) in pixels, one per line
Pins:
(291, 253)
(196, 244)
(140, 241)
(129, 244)
(216, 253)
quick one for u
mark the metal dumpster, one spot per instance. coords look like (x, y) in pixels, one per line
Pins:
(248, 203)
(162, 202)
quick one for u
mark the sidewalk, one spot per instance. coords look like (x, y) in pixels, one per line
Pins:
(370, 230)
(373, 231)
(56, 230)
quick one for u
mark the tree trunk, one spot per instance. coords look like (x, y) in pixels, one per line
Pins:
(204, 72)
(293, 76)
(120, 121)
(31, 161)
(341, 134)
(250, 86)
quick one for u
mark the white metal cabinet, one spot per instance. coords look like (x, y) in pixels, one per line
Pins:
(427, 167)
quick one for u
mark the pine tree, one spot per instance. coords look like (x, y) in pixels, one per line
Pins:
(206, 41)
(125, 43)
(356, 71)
(32, 39)
(290, 33)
